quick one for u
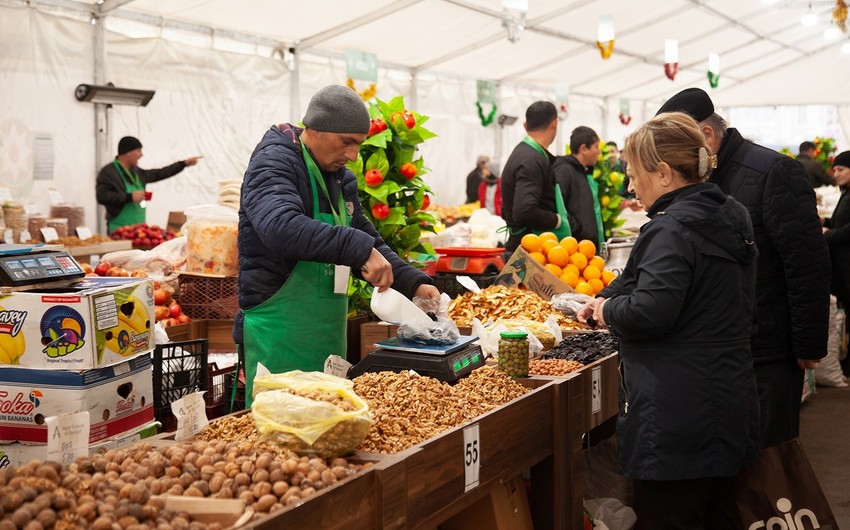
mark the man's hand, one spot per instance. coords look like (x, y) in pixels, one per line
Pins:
(378, 271)
(808, 364)
(138, 195)
(191, 161)
(591, 313)
(427, 291)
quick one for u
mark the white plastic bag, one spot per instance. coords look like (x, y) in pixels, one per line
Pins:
(828, 371)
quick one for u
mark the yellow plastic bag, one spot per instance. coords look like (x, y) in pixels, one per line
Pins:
(323, 416)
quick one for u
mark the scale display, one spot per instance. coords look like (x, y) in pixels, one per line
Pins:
(41, 267)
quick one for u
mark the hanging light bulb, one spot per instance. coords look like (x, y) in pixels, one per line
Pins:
(810, 18)
(513, 18)
(831, 33)
(671, 58)
(605, 35)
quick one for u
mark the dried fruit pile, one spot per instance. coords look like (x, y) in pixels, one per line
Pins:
(120, 488)
(498, 301)
(553, 366)
(408, 408)
(585, 347)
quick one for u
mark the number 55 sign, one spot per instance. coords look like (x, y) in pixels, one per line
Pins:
(471, 457)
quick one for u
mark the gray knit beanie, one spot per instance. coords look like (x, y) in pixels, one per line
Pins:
(337, 109)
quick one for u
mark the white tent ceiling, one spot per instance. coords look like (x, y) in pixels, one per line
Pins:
(767, 55)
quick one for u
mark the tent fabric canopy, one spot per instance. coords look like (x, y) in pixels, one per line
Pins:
(763, 47)
(220, 79)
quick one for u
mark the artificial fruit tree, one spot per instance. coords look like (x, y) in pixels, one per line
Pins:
(392, 193)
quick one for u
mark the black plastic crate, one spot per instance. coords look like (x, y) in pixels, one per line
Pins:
(447, 283)
(179, 368)
(220, 392)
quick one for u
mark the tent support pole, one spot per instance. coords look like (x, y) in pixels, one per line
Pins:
(498, 130)
(606, 115)
(295, 89)
(414, 90)
(102, 114)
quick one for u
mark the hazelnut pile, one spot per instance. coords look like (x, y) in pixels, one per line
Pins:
(122, 489)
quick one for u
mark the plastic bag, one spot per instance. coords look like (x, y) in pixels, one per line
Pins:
(211, 232)
(829, 372)
(304, 421)
(570, 303)
(489, 334)
(442, 330)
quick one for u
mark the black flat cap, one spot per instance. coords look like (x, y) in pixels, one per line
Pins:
(692, 101)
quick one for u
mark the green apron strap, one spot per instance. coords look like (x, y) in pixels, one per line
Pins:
(597, 209)
(536, 146)
(563, 230)
(317, 178)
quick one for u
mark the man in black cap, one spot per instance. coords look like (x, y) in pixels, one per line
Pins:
(792, 283)
(301, 231)
(120, 185)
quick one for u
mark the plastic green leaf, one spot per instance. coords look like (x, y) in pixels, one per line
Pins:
(378, 160)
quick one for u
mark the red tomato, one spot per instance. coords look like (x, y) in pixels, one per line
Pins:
(426, 202)
(380, 211)
(408, 170)
(382, 125)
(406, 117)
(373, 177)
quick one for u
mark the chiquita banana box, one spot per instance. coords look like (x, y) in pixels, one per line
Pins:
(93, 323)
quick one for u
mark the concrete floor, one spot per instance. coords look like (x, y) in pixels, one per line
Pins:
(825, 435)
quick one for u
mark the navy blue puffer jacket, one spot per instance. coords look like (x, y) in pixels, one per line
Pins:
(683, 309)
(277, 229)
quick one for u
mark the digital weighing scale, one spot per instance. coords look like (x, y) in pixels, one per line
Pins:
(473, 260)
(26, 265)
(448, 362)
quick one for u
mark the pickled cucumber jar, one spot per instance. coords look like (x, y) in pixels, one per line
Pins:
(513, 353)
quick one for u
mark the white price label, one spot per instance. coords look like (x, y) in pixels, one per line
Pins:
(336, 365)
(84, 232)
(25, 236)
(471, 457)
(54, 196)
(49, 234)
(596, 389)
(8, 235)
(5, 195)
(191, 414)
(31, 209)
(68, 436)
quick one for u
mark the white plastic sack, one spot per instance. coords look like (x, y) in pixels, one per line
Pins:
(610, 513)
(828, 372)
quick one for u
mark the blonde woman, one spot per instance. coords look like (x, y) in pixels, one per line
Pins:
(683, 309)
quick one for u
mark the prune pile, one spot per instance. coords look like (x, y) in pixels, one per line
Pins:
(585, 347)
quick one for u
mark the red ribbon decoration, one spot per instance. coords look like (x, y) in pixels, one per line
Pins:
(670, 70)
(625, 120)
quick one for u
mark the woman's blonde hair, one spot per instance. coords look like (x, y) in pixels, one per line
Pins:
(674, 138)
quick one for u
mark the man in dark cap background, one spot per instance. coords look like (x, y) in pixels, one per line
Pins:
(301, 231)
(120, 184)
(817, 174)
(792, 283)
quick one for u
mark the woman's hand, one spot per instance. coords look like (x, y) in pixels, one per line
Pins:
(591, 313)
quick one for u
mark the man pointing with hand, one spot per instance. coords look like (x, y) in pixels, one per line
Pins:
(302, 231)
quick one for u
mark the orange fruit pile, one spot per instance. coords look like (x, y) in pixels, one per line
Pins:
(574, 262)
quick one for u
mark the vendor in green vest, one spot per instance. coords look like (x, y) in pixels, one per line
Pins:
(302, 232)
(121, 184)
(574, 173)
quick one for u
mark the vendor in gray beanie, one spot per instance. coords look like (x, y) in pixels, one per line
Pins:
(302, 231)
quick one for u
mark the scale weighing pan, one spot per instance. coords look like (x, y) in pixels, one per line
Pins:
(447, 362)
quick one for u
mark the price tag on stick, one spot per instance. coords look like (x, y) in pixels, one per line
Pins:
(471, 457)
(191, 414)
(68, 436)
(596, 389)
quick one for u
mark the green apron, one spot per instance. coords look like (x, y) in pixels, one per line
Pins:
(131, 213)
(597, 209)
(304, 321)
(563, 230)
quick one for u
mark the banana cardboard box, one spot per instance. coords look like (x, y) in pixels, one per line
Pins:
(18, 454)
(93, 323)
(119, 398)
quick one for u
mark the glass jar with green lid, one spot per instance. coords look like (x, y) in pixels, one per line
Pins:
(513, 353)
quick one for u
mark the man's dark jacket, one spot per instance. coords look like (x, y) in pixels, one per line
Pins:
(578, 198)
(838, 239)
(814, 170)
(473, 181)
(792, 285)
(277, 229)
(528, 193)
(683, 309)
(111, 190)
